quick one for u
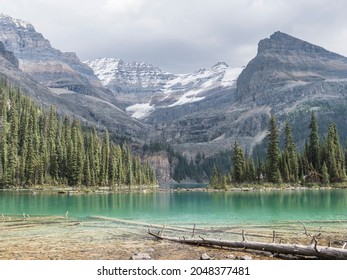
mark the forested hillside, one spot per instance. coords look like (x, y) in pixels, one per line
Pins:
(321, 161)
(38, 147)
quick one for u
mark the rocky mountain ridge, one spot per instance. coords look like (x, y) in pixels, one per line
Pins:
(44, 63)
(213, 107)
(290, 62)
(200, 112)
(292, 77)
(144, 88)
(122, 78)
(55, 78)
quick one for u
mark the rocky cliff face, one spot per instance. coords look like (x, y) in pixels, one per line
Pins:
(186, 110)
(293, 77)
(45, 64)
(160, 163)
(284, 62)
(9, 56)
(60, 79)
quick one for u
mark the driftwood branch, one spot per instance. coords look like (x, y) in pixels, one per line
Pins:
(314, 250)
(193, 231)
(162, 231)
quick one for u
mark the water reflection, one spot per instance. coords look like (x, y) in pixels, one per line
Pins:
(186, 207)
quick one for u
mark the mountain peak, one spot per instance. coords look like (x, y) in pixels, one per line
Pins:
(114, 72)
(286, 60)
(220, 64)
(18, 23)
(283, 44)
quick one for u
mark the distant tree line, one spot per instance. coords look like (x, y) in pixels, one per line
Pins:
(40, 148)
(321, 161)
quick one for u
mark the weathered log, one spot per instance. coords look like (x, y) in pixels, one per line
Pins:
(313, 250)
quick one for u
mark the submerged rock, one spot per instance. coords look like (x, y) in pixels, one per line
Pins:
(205, 257)
(231, 257)
(245, 258)
(141, 256)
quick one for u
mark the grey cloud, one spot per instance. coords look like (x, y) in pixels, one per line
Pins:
(181, 36)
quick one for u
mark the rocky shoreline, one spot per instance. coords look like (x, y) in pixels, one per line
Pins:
(59, 238)
(157, 188)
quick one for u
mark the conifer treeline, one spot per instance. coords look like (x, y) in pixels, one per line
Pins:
(320, 161)
(38, 147)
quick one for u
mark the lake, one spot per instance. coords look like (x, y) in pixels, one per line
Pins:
(187, 208)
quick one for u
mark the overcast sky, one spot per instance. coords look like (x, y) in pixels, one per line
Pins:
(180, 36)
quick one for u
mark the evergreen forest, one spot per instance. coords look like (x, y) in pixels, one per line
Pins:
(321, 161)
(39, 147)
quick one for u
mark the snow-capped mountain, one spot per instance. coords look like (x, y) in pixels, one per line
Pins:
(143, 88)
(57, 78)
(44, 63)
(200, 112)
(123, 77)
(208, 110)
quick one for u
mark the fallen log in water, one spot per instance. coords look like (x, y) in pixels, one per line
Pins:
(312, 250)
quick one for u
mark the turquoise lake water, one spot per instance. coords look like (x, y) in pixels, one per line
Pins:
(180, 208)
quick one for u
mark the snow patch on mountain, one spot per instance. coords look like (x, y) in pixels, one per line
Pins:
(230, 76)
(157, 88)
(188, 97)
(118, 75)
(18, 22)
(139, 111)
(105, 68)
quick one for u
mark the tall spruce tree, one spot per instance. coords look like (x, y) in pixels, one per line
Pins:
(273, 153)
(290, 156)
(105, 159)
(335, 160)
(215, 178)
(239, 164)
(325, 174)
(313, 148)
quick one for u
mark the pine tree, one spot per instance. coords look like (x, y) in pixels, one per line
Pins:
(86, 172)
(250, 171)
(95, 158)
(259, 171)
(273, 153)
(4, 155)
(313, 149)
(290, 156)
(325, 174)
(214, 181)
(53, 157)
(335, 160)
(239, 164)
(105, 159)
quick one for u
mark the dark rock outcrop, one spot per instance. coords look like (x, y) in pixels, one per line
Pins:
(9, 56)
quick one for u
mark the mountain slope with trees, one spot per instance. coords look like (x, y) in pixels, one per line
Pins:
(321, 161)
(37, 147)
